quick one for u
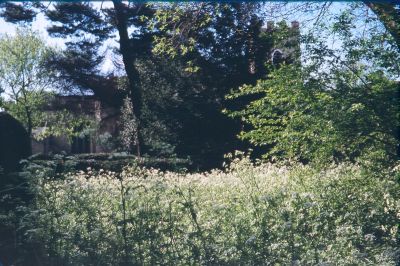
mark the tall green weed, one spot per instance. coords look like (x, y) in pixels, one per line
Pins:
(247, 214)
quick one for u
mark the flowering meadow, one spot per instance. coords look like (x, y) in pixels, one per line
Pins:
(246, 214)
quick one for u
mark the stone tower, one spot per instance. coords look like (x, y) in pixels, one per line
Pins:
(286, 42)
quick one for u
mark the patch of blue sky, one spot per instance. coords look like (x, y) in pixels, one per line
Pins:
(270, 11)
(40, 25)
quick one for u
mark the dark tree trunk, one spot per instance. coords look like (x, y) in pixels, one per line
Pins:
(389, 16)
(30, 128)
(121, 20)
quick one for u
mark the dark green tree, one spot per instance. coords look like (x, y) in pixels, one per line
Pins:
(86, 29)
(222, 46)
(215, 47)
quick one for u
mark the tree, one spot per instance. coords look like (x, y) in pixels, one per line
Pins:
(81, 60)
(220, 46)
(389, 15)
(30, 85)
(24, 77)
(341, 104)
(387, 12)
(129, 132)
(220, 69)
(224, 60)
(303, 118)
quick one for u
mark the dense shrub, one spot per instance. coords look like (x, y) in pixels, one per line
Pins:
(14, 146)
(60, 163)
(14, 193)
(14, 142)
(300, 119)
(245, 215)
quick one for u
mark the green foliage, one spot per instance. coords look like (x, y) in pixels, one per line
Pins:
(301, 118)
(65, 123)
(34, 102)
(30, 85)
(23, 75)
(14, 143)
(180, 22)
(107, 141)
(209, 49)
(339, 104)
(62, 163)
(129, 126)
(247, 214)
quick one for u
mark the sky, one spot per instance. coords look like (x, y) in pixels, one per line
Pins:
(40, 25)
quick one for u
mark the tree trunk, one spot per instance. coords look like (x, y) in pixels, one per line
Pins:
(389, 16)
(121, 20)
(30, 127)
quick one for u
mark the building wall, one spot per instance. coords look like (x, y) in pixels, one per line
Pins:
(106, 116)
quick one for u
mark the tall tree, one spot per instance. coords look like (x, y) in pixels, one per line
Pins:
(216, 47)
(80, 20)
(132, 47)
(23, 75)
(389, 14)
(86, 31)
(342, 104)
(224, 46)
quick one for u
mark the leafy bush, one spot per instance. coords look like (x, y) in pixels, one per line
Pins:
(336, 103)
(246, 214)
(303, 120)
(61, 163)
(14, 142)
(14, 193)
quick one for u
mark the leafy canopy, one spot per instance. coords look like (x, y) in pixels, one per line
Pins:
(339, 104)
(29, 86)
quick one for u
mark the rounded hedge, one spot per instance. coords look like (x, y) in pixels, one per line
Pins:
(14, 142)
